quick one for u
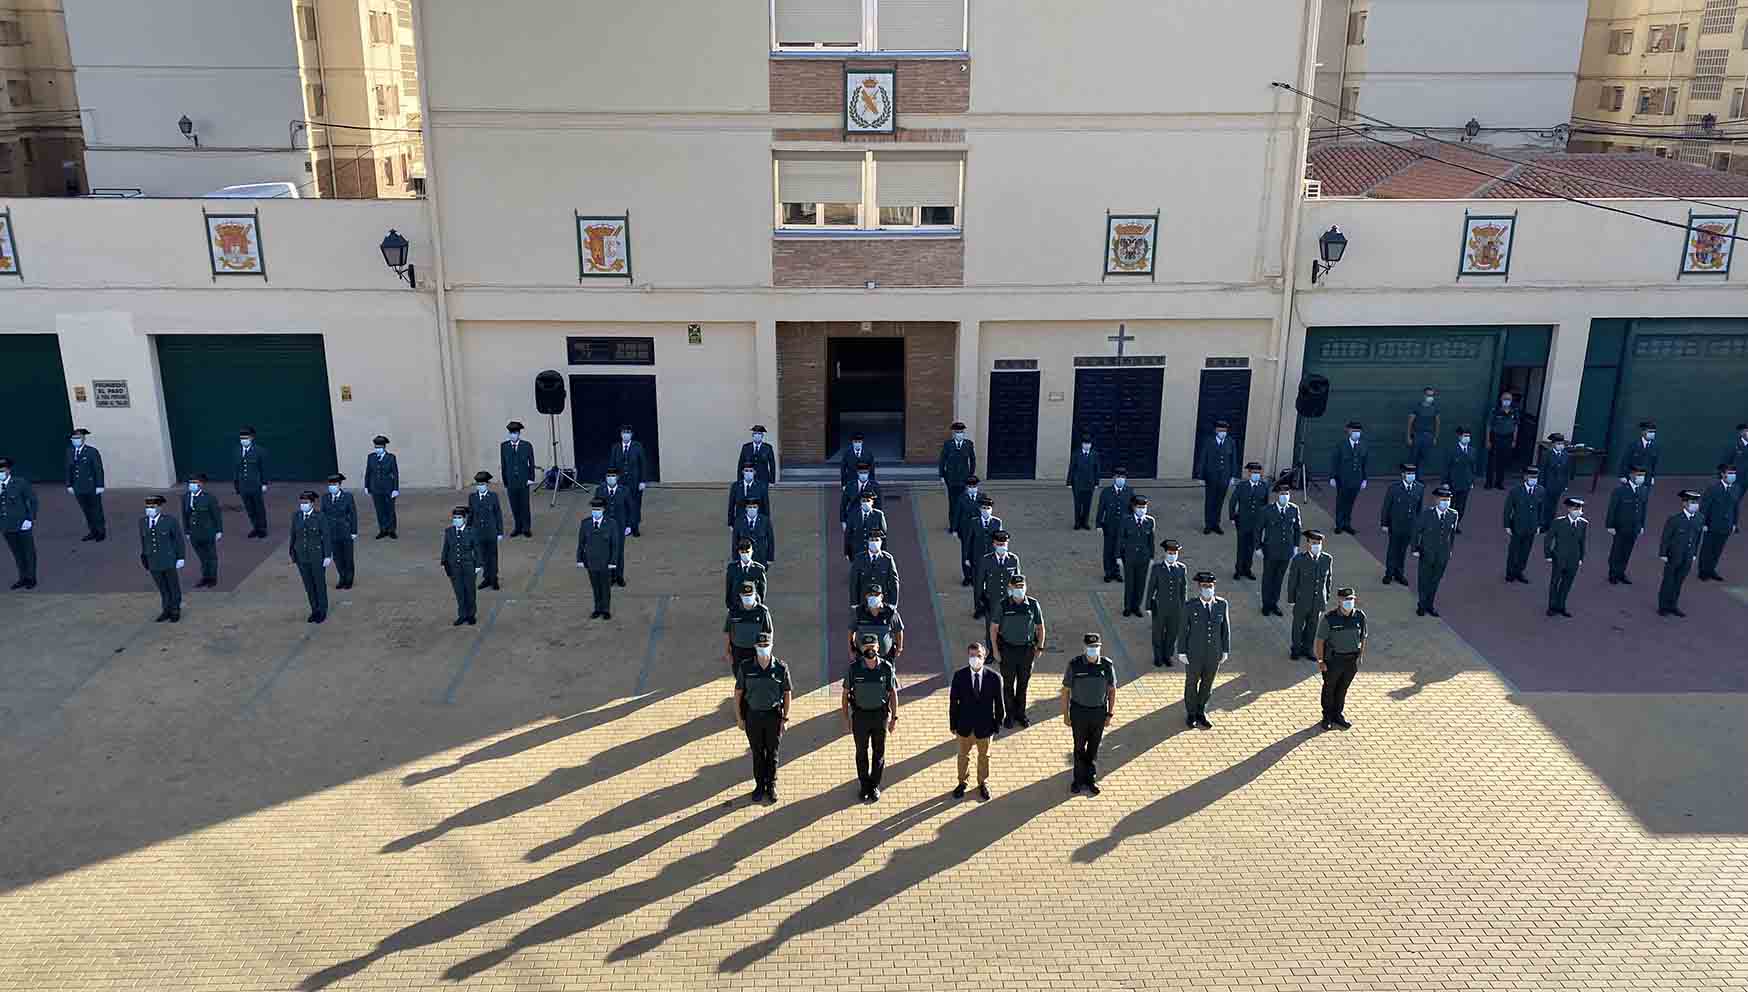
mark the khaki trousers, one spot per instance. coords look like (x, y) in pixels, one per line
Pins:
(965, 745)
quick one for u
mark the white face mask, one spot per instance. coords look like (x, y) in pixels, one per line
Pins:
(762, 652)
(757, 438)
(746, 557)
(194, 488)
(1559, 448)
(1444, 504)
(752, 513)
(1426, 399)
(856, 445)
(1316, 549)
(78, 442)
(1001, 549)
(1219, 435)
(975, 661)
(1119, 482)
(1085, 448)
(1529, 483)
(1464, 440)
(5, 476)
(382, 451)
(1256, 476)
(748, 601)
(481, 489)
(984, 512)
(246, 442)
(624, 438)
(596, 515)
(1284, 499)
(1693, 508)
(305, 507)
(867, 506)
(971, 490)
(1573, 515)
(1505, 402)
(1408, 477)
(515, 436)
(152, 512)
(1207, 593)
(612, 482)
(745, 476)
(1650, 435)
(1730, 478)
(333, 490)
(1017, 592)
(1092, 652)
(874, 547)
(1638, 480)
(1171, 557)
(1353, 435)
(958, 435)
(1348, 604)
(873, 602)
(458, 521)
(860, 477)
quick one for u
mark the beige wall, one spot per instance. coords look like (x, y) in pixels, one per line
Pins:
(107, 275)
(705, 393)
(557, 55)
(1186, 345)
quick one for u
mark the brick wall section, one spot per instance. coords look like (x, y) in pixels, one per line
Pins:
(851, 262)
(929, 361)
(904, 135)
(925, 86)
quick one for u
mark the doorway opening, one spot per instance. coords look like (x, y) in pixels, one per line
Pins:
(865, 393)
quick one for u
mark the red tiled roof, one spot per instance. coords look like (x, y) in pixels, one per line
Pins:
(1371, 169)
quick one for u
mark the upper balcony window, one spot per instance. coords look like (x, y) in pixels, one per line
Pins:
(899, 191)
(868, 25)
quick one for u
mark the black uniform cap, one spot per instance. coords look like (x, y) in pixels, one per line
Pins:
(1344, 592)
(1171, 544)
(482, 476)
(1463, 430)
(875, 587)
(755, 429)
(337, 477)
(1531, 471)
(624, 428)
(379, 439)
(867, 494)
(1647, 425)
(1443, 491)
(747, 587)
(246, 432)
(1556, 436)
(1086, 435)
(1688, 494)
(1091, 640)
(1137, 500)
(857, 437)
(1283, 487)
(972, 480)
(743, 466)
(1409, 466)
(1000, 535)
(863, 465)
(1724, 467)
(597, 503)
(983, 501)
(1574, 501)
(1016, 580)
(1742, 427)
(1313, 535)
(309, 494)
(460, 511)
(744, 544)
(154, 500)
(763, 640)
(1119, 470)
(1219, 424)
(1255, 465)
(197, 477)
(5, 462)
(750, 501)
(876, 532)
(958, 426)
(514, 425)
(1354, 425)
(79, 432)
(1202, 577)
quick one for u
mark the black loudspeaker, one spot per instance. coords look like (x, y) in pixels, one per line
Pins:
(549, 392)
(1313, 399)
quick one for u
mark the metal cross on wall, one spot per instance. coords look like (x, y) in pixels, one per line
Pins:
(1122, 337)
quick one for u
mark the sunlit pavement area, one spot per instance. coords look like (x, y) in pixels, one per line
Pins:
(543, 801)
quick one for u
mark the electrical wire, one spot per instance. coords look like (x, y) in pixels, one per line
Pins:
(1546, 193)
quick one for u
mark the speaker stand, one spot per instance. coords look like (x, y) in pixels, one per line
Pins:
(563, 473)
(1302, 473)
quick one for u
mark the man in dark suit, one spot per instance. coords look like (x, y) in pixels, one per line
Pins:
(975, 711)
(204, 524)
(621, 504)
(486, 518)
(342, 513)
(1396, 516)
(861, 520)
(753, 525)
(958, 462)
(1556, 466)
(760, 453)
(161, 554)
(1218, 470)
(1677, 548)
(249, 478)
(1462, 465)
(1435, 532)
(516, 468)
(1347, 469)
(1627, 511)
(1249, 499)
(1205, 645)
(746, 487)
(1564, 548)
(976, 535)
(1736, 456)
(856, 458)
(1717, 513)
(1524, 511)
(460, 561)
(1135, 546)
(632, 462)
(312, 551)
(742, 569)
(382, 483)
(1083, 478)
(18, 505)
(599, 544)
(1113, 507)
(1642, 453)
(85, 483)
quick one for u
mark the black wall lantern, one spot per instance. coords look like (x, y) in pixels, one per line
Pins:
(186, 126)
(394, 252)
(1471, 130)
(1331, 246)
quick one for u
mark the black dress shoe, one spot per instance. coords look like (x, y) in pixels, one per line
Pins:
(1206, 531)
(1626, 581)
(1566, 614)
(1715, 576)
(485, 583)
(1159, 663)
(770, 795)
(394, 535)
(472, 620)
(20, 584)
(595, 615)
(1551, 611)
(1091, 789)
(31, 584)
(1190, 722)
(1008, 723)
(1074, 788)
(458, 621)
(1237, 575)
(1168, 663)
(982, 791)
(1676, 612)
(1385, 580)
(1328, 725)
(1293, 656)
(874, 794)
(1202, 721)
(1662, 612)
(160, 618)
(1613, 581)
(634, 533)
(320, 618)
(380, 535)
(176, 617)
(604, 615)
(1420, 611)
(1342, 723)
(1025, 721)
(1431, 612)
(959, 791)
(1219, 530)
(310, 619)
(88, 537)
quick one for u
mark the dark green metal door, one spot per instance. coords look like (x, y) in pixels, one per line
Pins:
(34, 429)
(1690, 377)
(1376, 375)
(215, 384)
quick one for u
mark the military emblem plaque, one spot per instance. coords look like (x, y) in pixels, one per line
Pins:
(1131, 244)
(604, 247)
(1710, 244)
(1486, 246)
(233, 244)
(870, 101)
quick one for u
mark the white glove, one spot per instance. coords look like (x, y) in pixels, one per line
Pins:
(100, 490)
(69, 490)
(1362, 483)
(1417, 554)
(1223, 656)
(1183, 658)
(627, 532)
(395, 495)
(326, 562)
(581, 565)
(479, 570)
(1259, 552)
(354, 537)
(1611, 531)
(26, 525)
(181, 562)
(531, 482)
(500, 536)
(218, 537)
(640, 487)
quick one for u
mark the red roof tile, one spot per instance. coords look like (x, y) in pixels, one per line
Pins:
(1403, 171)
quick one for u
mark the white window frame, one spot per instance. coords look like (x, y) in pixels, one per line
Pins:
(868, 209)
(1725, 164)
(1356, 28)
(1738, 98)
(870, 40)
(1620, 41)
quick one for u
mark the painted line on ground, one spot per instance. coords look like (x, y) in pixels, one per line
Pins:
(655, 637)
(279, 670)
(825, 551)
(1098, 605)
(922, 540)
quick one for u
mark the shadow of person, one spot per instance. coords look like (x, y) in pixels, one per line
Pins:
(1421, 678)
(958, 840)
(753, 837)
(1191, 799)
(1262, 676)
(561, 782)
(532, 738)
(798, 742)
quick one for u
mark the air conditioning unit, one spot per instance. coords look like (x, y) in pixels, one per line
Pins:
(1313, 189)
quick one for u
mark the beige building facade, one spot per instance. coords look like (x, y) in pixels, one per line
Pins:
(41, 152)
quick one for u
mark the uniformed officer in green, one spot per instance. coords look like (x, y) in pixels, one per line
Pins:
(1001, 564)
(599, 547)
(756, 527)
(1089, 700)
(204, 525)
(976, 536)
(1435, 532)
(461, 562)
(1564, 548)
(746, 620)
(85, 483)
(873, 615)
(1113, 504)
(742, 568)
(249, 478)
(873, 564)
(1135, 545)
(762, 693)
(1249, 498)
(862, 519)
(1167, 586)
(312, 551)
(870, 708)
(342, 513)
(1347, 469)
(1017, 632)
(957, 469)
(1423, 427)
(1282, 526)
(1677, 548)
(1341, 639)
(516, 469)
(1524, 513)
(1462, 465)
(382, 483)
(161, 555)
(1396, 517)
(1083, 478)
(1718, 516)
(18, 506)
(1557, 467)
(1627, 511)
(1308, 580)
(1204, 647)
(488, 519)
(1502, 425)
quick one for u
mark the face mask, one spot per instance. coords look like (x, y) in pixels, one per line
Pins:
(4, 476)
(78, 442)
(613, 481)
(596, 515)
(762, 652)
(1208, 593)
(746, 557)
(874, 547)
(867, 506)
(1219, 435)
(1140, 514)
(1256, 476)
(1638, 480)
(860, 477)
(1085, 449)
(1730, 477)
(1650, 435)
(985, 512)
(748, 601)
(624, 438)
(1017, 592)
(1348, 604)
(194, 488)
(457, 521)
(333, 490)
(757, 438)
(1529, 483)
(1408, 477)
(1559, 448)
(1002, 549)
(1283, 500)
(1092, 652)
(1572, 515)
(873, 602)
(1464, 440)
(152, 512)
(975, 661)
(1444, 504)
(1316, 549)
(481, 490)
(1426, 399)
(1171, 557)
(747, 476)
(1693, 507)
(1505, 402)
(971, 490)
(1120, 482)
(382, 451)
(752, 514)
(1353, 435)
(515, 436)
(958, 435)
(246, 442)
(305, 507)
(857, 445)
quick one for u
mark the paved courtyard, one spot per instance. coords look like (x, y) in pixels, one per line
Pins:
(247, 801)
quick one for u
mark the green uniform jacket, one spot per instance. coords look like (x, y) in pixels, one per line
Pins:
(737, 573)
(460, 550)
(598, 545)
(17, 504)
(1680, 540)
(996, 572)
(1246, 504)
(249, 474)
(1135, 538)
(631, 462)
(1461, 466)
(737, 493)
(850, 499)
(759, 532)
(382, 474)
(84, 470)
(488, 513)
(1166, 587)
(342, 514)
(618, 505)
(866, 569)
(1640, 455)
(515, 464)
(1435, 533)
(1627, 508)
(1402, 504)
(1281, 531)
(1219, 461)
(1564, 544)
(858, 526)
(1523, 509)
(1083, 470)
(1114, 506)
(1309, 579)
(312, 538)
(161, 544)
(958, 460)
(201, 516)
(1347, 466)
(1717, 509)
(1207, 630)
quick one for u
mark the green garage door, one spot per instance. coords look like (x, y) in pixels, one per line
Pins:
(34, 428)
(1376, 375)
(215, 384)
(1691, 378)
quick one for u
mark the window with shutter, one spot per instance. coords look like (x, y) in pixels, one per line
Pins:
(921, 25)
(819, 190)
(919, 189)
(818, 23)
